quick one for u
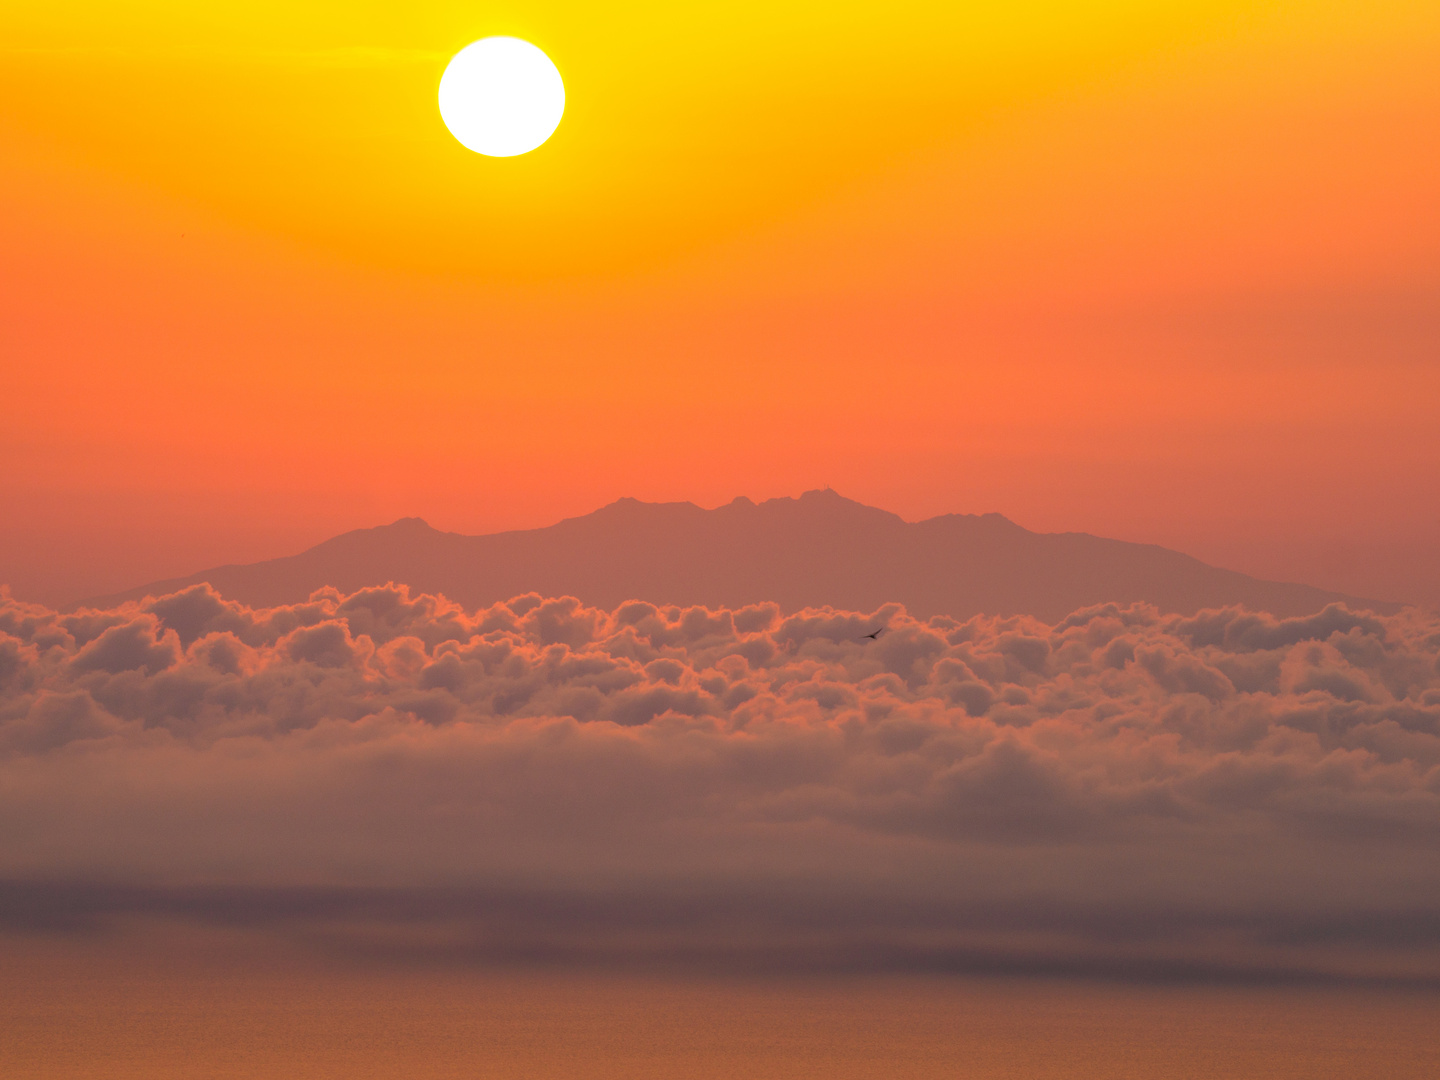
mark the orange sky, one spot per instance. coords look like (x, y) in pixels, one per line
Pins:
(1167, 276)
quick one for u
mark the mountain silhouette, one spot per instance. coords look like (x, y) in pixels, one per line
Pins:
(812, 551)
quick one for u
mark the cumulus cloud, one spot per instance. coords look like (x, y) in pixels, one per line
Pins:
(1229, 794)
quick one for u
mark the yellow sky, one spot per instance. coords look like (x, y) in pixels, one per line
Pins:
(684, 122)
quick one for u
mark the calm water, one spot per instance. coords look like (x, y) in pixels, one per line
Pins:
(67, 1017)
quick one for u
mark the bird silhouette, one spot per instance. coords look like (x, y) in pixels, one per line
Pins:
(876, 634)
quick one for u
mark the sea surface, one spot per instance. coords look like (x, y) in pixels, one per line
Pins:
(67, 1014)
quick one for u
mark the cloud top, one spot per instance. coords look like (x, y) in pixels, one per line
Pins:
(1229, 794)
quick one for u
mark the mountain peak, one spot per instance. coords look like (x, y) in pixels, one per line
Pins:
(817, 549)
(628, 504)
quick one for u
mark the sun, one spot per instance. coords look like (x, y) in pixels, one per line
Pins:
(501, 96)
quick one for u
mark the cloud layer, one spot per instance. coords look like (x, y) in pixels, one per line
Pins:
(1229, 795)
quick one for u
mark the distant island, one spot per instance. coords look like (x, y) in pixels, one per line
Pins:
(816, 550)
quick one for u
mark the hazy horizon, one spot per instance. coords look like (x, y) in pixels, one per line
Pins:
(63, 591)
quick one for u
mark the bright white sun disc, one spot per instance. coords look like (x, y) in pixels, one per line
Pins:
(501, 96)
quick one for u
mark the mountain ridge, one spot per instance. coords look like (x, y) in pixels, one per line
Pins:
(815, 550)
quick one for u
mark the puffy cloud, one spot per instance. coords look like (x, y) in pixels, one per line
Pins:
(1228, 794)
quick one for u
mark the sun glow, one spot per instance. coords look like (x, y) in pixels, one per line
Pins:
(501, 96)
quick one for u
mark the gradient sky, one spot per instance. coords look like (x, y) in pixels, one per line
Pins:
(1166, 272)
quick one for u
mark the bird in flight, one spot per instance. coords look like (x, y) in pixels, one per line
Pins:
(876, 634)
